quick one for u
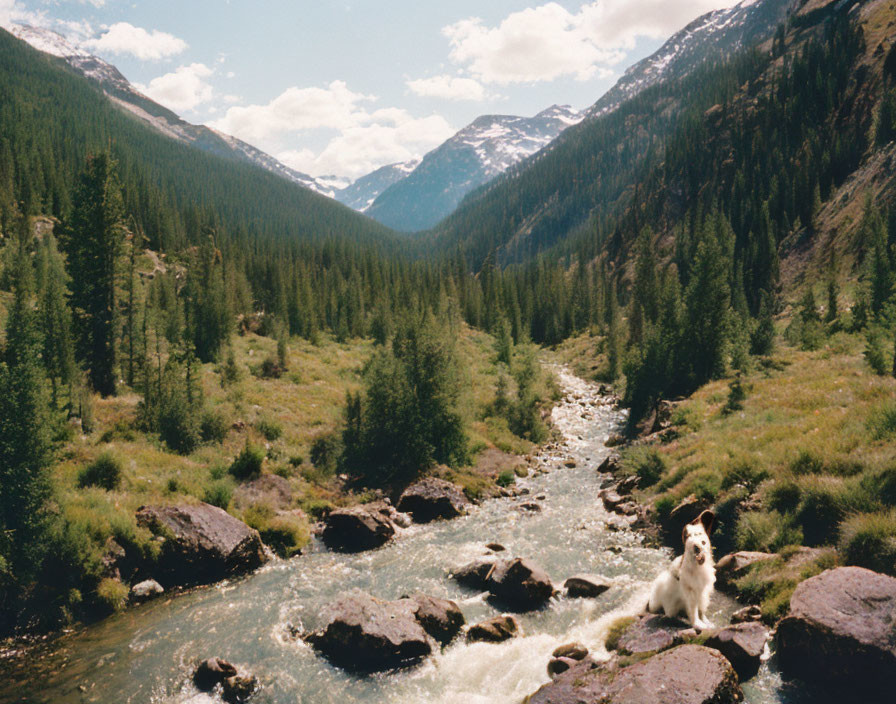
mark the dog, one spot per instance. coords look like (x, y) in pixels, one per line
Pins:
(687, 585)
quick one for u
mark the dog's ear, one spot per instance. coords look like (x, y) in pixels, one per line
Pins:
(684, 535)
(708, 519)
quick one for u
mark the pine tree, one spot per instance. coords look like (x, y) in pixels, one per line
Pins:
(55, 318)
(93, 242)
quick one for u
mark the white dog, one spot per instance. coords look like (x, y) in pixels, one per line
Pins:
(688, 583)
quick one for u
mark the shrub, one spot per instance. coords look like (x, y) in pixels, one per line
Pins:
(765, 532)
(807, 463)
(647, 463)
(882, 421)
(296, 460)
(506, 478)
(820, 509)
(745, 474)
(104, 472)
(784, 496)
(271, 369)
(737, 394)
(269, 428)
(112, 595)
(172, 486)
(325, 451)
(214, 426)
(664, 506)
(877, 352)
(218, 494)
(286, 534)
(882, 485)
(869, 540)
(248, 463)
(317, 508)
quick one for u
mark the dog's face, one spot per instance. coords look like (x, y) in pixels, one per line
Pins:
(695, 537)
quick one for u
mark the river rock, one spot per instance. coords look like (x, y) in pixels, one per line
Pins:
(433, 498)
(212, 672)
(494, 630)
(368, 634)
(576, 651)
(201, 543)
(743, 645)
(628, 485)
(611, 465)
(238, 690)
(495, 547)
(747, 614)
(520, 584)
(146, 590)
(587, 586)
(559, 665)
(440, 618)
(841, 631)
(474, 575)
(735, 565)
(651, 633)
(357, 528)
(611, 499)
(530, 506)
(688, 674)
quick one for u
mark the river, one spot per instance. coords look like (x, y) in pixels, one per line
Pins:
(147, 654)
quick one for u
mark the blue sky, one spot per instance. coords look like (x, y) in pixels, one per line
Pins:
(344, 87)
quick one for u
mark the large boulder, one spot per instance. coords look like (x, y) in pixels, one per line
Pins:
(146, 590)
(520, 584)
(201, 544)
(474, 575)
(743, 645)
(358, 528)
(441, 618)
(212, 672)
(688, 674)
(841, 632)
(433, 498)
(367, 634)
(652, 633)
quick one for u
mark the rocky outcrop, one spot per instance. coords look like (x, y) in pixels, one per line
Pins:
(368, 634)
(433, 498)
(735, 565)
(841, 632)
(440, 618)
(494, 630)
(586, 586)
(520, 584)
(688, 674)
(358, 528)
(201, 544)
(743, 645)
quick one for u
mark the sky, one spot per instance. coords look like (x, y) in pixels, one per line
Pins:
(341, 88)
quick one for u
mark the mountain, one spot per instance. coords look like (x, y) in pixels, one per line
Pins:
(481, 151)
(177, 181)
(361, 194)
(120, 91)
(715, 35)
(594, 167)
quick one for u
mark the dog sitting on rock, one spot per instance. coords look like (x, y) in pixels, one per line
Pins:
(687, 585)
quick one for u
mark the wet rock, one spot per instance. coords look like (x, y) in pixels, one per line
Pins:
(494, 630)
(201, 544)
(474, 575)
(742, 645)
(576, 651)
(440, 618)
(368, 634)
(840, 632)
(212, 672)
(146, 590)
(433, 498)
(689, 674)
(358, 528)
(238, 690)
(611, 499)
(520, 584)
(651, 633)
(747, 614)
(628, 485)
(495, 547)
(570, 464)
(557, 666)
(530, 506)
(615, 440)
(735, 565)
(587, 586)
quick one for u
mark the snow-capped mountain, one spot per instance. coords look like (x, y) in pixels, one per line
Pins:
(120, 91)
(484, 149)
(716, 34)
(361, 194)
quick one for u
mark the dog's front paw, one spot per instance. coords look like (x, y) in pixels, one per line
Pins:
(702, 625)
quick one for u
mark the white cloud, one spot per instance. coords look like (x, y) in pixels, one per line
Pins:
(365, 138)
(448, 88)
(125, 38)
(181, 90)
(546, 42)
